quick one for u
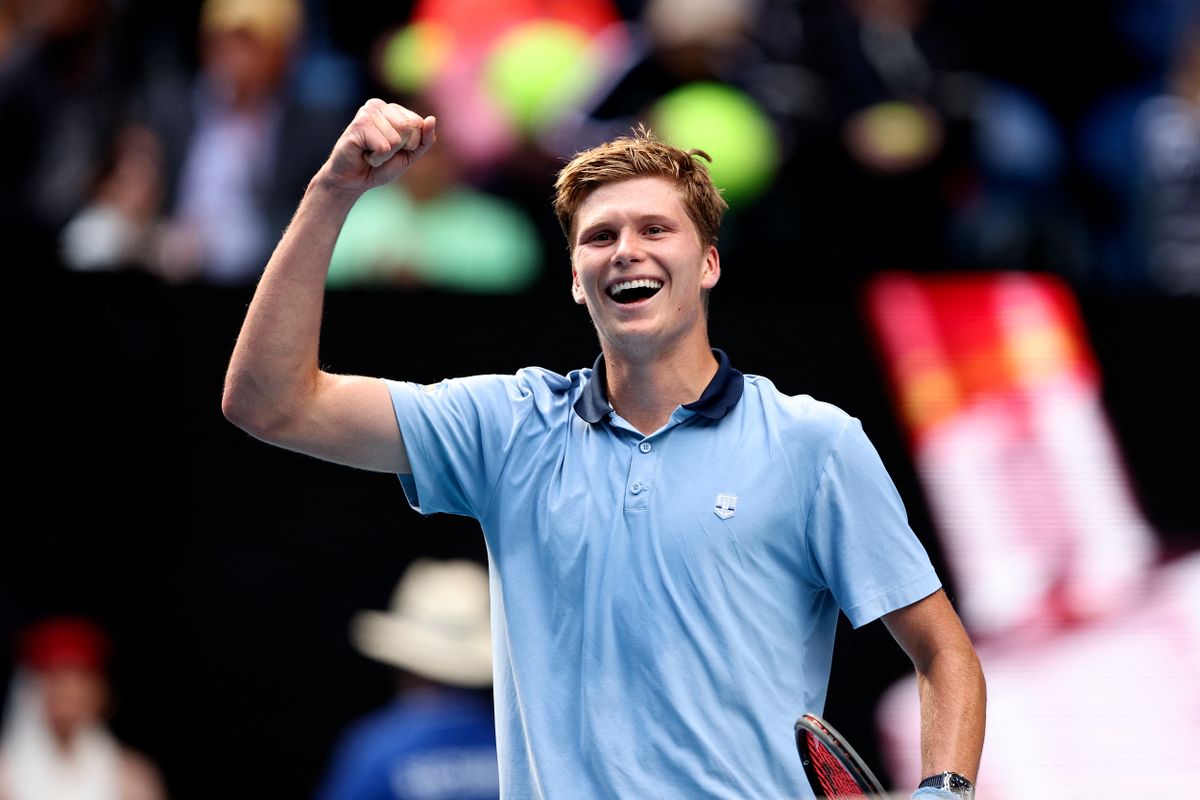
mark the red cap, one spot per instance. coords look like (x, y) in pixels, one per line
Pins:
(64, 641)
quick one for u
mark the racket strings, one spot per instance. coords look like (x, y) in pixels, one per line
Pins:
(835, 779)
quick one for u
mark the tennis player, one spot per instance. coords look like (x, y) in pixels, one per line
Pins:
(670, 540)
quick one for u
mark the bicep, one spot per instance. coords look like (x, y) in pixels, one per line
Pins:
(349, 420)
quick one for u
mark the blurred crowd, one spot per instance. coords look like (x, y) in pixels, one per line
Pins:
(56, 743)
(432, 738)
(174, 140)
(849, 136)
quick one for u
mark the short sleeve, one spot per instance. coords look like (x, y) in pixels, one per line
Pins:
(457, 434)
(858, 535)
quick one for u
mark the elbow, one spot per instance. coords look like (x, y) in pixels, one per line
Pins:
(246, 411)
(235, 409)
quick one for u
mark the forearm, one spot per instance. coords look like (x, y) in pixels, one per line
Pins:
(953, 711)
(950, 684)
(275, 361)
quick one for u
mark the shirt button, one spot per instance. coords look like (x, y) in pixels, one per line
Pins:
(645, 447)
(636, 488)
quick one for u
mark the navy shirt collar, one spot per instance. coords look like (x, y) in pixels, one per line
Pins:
(721, 394)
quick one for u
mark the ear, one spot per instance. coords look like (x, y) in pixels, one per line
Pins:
(711, 271)
(577, 288)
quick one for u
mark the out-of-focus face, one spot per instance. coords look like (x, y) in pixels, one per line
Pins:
(73, 697)
(245, 66)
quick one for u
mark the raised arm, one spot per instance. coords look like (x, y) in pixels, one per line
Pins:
(274, 387)
(950, 683)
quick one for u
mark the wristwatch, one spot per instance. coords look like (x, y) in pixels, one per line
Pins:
(951, 782)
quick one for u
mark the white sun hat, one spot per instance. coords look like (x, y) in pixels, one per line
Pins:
(438, 626)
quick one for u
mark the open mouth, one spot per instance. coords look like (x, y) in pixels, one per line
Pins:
(633, 291)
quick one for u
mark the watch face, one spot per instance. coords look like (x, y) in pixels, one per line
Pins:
(960, 786)
(952, 782)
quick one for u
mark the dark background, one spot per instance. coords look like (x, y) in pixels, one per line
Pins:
(227, 569)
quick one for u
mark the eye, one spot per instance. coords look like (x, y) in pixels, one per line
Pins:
(601, 236)
(655, 230)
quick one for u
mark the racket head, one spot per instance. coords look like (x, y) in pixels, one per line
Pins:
(833, 769)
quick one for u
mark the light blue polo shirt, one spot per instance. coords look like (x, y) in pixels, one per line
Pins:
(663, 606)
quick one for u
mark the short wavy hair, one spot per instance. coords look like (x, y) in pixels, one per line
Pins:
(641, 155)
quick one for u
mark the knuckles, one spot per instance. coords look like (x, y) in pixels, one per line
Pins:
(383, 129)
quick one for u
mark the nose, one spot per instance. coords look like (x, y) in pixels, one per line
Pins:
(628, 250)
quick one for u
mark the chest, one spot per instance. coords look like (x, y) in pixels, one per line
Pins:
(689, 494)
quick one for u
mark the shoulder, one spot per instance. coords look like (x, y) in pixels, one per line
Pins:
(798, 412)
(542, 386)
(542, 379)
(140, 778)
(376, 728)
(800, 428)
(394, 730)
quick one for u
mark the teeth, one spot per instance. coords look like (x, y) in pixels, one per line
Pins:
(640, 283)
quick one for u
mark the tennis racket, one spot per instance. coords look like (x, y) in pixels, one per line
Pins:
(834, 770)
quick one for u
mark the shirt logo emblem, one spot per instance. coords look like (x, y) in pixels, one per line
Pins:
(725, 506)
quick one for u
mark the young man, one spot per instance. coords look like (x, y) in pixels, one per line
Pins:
(670, 540)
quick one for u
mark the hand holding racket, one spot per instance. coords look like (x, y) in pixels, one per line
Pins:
(834, 770)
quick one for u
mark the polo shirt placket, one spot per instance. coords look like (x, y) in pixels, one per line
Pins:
(723, 392)
(643, 464)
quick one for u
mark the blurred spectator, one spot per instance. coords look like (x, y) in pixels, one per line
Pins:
(1168, 141)
(884, 158)
(900, 127)
(1060, 147)
(720, 76)
(412, 234)
(437, 740)
(56, 745)
(687, 72)
(118, 226)
(234, 154)
(1021, 214)
(670, 45)
(59, 102)
(252, 147)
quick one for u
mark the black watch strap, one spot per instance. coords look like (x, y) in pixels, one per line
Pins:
(951, 782)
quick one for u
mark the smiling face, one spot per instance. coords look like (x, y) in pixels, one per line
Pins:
(638, 263)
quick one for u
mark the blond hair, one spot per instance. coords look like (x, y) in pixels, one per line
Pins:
(272, 21)
(638, 156)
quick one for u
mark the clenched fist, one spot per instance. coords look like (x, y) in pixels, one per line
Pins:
(380, 143)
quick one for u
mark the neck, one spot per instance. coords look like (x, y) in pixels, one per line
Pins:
(65, 739)
(646, 390)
